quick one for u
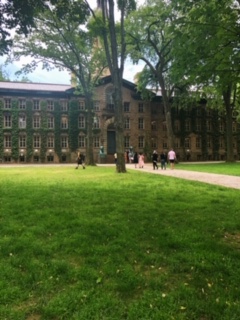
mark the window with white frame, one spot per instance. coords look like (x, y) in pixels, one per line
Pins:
(140, 123)
(187, 143)
(50, 141)
(81, 122)
(81, 105)
(50, 122)
(126, 106)
(36, 141)
(96, 122)
(140, 107)
(96, 142)
(96, 105)
(22, 123)
(154, 143)
(50, 105)
(198, 142)
(126, 123)
(141, 142)
(22, 104)
(165, 145)
(64, 141)
(64, 122)
(7, 121)
(36, 122)
(7, 104)
(7, 141)
(64, 105)
(36, 105)
(81, 141)
(126, 142)
(22, 141)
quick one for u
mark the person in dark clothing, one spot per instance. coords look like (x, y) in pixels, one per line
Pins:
(163, 159)
(80, 160)
(135, 159)
(155, 159)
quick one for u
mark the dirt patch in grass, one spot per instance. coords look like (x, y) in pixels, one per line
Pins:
(233, 239)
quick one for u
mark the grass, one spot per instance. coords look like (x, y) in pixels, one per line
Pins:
(232, 169)
(93, 244)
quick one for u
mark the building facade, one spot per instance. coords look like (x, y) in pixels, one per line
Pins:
(46, 123)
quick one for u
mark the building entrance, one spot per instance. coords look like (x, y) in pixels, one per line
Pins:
(111, 142)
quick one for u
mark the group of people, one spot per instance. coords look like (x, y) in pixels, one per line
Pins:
(164, 158)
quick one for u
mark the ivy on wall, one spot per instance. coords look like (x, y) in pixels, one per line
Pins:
(57, 129)
(29, 130)
(43, 131)
(73, 125)
(1, 130)
(15, 130)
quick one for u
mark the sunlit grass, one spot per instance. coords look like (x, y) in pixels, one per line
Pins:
(94, 244)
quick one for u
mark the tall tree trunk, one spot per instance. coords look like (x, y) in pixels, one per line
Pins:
(89, 124)
(167, 110)
(229, 133)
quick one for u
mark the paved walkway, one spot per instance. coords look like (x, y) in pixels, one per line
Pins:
(211, 178)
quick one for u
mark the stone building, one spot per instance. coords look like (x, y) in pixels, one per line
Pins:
(47, 123)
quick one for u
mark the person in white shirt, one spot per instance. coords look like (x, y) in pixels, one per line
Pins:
(172, 158)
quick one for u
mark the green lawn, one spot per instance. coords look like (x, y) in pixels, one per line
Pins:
(94, 244)
(221, 167)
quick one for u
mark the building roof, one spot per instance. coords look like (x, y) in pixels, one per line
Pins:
(30, 86)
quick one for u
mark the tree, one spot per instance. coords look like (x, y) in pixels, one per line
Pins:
(18, 16)
(150, 39)
(208, 50)
(114, 42)
(63, 42)
(3, 74)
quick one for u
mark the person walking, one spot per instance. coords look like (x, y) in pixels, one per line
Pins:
(80, 160)
(172, 158)
(155, 159)
(141, 160)
(115, 158)
(135, 159)
(163, 160)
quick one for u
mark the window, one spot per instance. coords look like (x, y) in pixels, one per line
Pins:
(177, 143)
(7, 104)
(198, 125)
(187, 143)
(126, 123)
(222, 144)
(81, 122)
(154, 125)
(153, 143)
(141, 142)
(50, 121)
(126, 106)
(22, 141)
(64, 105)
(7, 121)
(96, 122)
(64, 141)
(126, 142)
(81, 141)
(22, 104)
(22, 121)
(50, 105)
(165, 145)
(81, 105)
(7, 141)
(50, 141)
(64, 122)
(36, 141)
(198, 143)
(36, 122)
(96, 142)
(209, 126)
(96, 105)
(140, 107)
(140, 123)
(187, 125)
(109, 98)
(36, 105)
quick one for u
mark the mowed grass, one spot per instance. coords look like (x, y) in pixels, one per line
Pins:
(94, 244)
(232, 169)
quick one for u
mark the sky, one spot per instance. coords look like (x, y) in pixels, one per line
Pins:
(60, 77)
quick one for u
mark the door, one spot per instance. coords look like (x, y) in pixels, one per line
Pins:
(111, 142)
